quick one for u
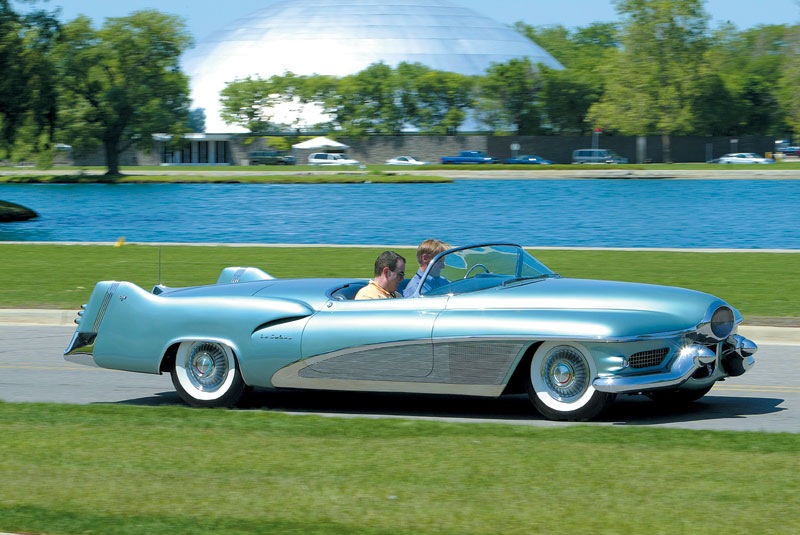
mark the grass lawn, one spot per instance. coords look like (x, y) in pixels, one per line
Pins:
(100, 469)
(62, 276)
(152, 470)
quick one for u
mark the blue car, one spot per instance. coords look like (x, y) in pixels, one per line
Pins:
(530, 159)
(501, 323)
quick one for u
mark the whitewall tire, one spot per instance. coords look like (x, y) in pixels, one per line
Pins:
(206, 374)
(559, 382)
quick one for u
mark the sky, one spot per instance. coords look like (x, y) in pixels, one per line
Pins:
(206, 16)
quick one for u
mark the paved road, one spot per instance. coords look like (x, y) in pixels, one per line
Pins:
(765, 399)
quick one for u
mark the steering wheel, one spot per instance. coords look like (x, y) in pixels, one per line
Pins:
(470, 270)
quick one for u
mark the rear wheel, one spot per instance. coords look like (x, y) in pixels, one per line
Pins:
(560, 383)
(206, 374)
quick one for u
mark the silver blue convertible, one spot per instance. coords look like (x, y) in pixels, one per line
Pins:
(503, 323)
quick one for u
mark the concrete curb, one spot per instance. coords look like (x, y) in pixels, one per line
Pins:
(761, 334)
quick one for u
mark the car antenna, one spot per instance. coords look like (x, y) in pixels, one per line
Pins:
(159, 265)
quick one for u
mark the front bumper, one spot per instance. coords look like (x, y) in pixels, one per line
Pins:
(733, 357)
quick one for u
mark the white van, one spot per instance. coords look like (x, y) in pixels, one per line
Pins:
(597, 156)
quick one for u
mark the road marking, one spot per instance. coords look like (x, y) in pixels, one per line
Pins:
(756, 388)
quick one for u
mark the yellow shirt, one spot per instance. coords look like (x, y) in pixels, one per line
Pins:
(374, 291)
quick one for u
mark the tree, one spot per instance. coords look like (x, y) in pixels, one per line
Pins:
(258, 105)
(652, 84)
(246, 102)
(509, 97)
(790, 81)
(750, 64)
(434, 102)
(123, 83)
(376, 100)
(197, 120)
(567, 94)
(28, 82)
(367, 103)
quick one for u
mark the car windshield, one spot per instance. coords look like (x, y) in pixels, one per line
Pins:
(469, 269)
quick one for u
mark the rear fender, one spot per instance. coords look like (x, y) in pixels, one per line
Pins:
(135, 328)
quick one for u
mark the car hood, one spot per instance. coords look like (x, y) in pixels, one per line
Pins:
(605, 307)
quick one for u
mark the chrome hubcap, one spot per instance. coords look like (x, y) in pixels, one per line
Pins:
(203, 365)
(565, 373)
(207, 366)
(562, 374)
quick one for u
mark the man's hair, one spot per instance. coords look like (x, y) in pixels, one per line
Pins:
(431, 248)
(387, 259)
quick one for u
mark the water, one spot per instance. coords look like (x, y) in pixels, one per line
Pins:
(742, 214)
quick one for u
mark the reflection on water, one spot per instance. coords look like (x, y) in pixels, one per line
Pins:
(747, 214)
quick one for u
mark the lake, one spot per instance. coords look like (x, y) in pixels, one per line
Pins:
(740, 214)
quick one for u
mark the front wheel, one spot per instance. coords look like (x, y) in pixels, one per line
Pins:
(206, 374)
(560, 383)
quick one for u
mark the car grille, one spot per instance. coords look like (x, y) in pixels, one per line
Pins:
(645, 359)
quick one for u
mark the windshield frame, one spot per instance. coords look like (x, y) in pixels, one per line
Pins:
(488, 265)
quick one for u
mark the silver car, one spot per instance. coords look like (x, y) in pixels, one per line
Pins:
(330, 158)
(498, 322)
(742, 157)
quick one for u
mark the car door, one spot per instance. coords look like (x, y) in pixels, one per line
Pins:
(376, 339)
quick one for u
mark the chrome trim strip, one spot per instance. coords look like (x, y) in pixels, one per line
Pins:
(578, 338)
(101, 312)
(288, 378)
(689, 360)
(237, 277)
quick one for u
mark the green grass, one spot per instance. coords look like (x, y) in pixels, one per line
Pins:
(131, 470)
(312, 176)
(170, 469)
(62, 276)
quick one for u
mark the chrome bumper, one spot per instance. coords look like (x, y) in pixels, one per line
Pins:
(81, 349)
(690, 359)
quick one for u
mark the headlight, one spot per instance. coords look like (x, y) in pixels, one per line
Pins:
(722, 323)
(718, 324)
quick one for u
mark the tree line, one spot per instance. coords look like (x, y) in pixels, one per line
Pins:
(76, 85)
(660, 70)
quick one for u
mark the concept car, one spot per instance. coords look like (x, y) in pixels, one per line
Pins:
(500, 323)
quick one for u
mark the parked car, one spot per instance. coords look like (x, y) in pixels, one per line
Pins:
(271, 157)
(790, 151)
(504, 323)
(469, 156)
(530, 159)
(597, 156)
(742, 157)
(405, 160)
(330, 158)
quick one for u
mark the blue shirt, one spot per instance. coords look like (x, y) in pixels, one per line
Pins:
(431, 283)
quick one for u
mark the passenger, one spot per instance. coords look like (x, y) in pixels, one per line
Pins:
(425, 253)
(389, 272)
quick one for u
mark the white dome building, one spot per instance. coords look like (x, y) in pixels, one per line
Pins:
(344, 37)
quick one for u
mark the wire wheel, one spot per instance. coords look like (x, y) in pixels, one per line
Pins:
(206, 374)
(565, 373)
(560, 383)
